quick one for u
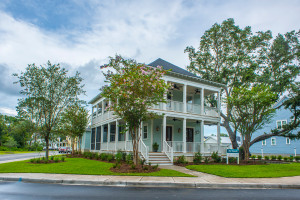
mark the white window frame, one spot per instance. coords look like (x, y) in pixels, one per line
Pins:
(272, 141)
(281, 124)
(145, 138)
(264, 142)
(287, 141)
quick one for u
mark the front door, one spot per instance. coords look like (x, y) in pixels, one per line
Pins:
(189, 139)
(169, 133)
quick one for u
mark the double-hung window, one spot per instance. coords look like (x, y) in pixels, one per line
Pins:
(280, 124)
(145, 132)
(264, 142)
(273, 141)
(288, 141)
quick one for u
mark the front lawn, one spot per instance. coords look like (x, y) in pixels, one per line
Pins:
(249, 171)
(78, 166)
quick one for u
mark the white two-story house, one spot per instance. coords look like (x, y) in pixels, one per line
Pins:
(180, 130)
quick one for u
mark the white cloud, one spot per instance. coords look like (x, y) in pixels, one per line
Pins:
(8, 111)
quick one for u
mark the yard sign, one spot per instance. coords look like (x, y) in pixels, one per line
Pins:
(233, 153)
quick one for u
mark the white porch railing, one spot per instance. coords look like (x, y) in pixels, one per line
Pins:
(144, 150)
(210, 111)
(193, 108)
(168, 150)
(177, 106)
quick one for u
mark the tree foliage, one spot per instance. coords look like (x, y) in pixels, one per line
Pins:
(133, 89)
(74, 122)
(238, 58)
(48, 90)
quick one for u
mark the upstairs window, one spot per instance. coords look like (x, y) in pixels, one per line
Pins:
(280, 124)
(288, 141)
(264, 142)
(273, 141)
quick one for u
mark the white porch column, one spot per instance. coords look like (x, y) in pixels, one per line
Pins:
(164, 132)
(219, 103)
(218, 136)
(184, 98)
(117, 135)
(202, 136)
(101, 139)
(108, 134)
(151, 133)
(184, 135)
(202, 101)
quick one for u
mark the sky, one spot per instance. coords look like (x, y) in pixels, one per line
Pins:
(82, 34)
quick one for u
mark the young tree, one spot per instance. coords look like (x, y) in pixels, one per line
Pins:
(252, 108)
(74, 122)
(238, 58)
(48, 90)
(133, 89)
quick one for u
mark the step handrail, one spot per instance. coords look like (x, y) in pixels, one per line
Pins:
(144, 150)
(168, 150)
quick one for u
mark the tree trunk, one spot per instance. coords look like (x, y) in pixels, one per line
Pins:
(246, 146)
(72, 145)
(79, 149)
(47, 146)
(135, 145)
(232, 135)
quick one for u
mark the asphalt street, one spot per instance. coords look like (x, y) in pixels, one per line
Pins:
(8, 157)
(24, 191)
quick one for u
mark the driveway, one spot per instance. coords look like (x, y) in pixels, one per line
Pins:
(23, 156)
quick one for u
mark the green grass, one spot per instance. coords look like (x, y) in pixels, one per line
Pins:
(15, 152)
(249, 171)
(78, 166)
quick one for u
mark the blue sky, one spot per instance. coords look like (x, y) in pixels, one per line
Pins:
(82, 34)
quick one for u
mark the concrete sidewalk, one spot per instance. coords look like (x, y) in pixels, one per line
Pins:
(201, 181)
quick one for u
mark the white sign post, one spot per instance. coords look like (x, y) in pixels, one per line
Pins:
(233, 153)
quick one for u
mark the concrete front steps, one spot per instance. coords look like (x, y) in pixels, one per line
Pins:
(158, 158)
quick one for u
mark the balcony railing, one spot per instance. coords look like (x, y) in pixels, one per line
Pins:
(177, 106)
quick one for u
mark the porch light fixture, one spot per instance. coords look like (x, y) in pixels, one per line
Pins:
(157, 128)
(179, 130)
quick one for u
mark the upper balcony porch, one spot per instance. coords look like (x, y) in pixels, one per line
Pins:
(182, 99)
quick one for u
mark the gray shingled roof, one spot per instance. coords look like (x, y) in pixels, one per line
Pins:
(166, 65)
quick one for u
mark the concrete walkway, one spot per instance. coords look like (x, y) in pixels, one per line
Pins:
(201, 181)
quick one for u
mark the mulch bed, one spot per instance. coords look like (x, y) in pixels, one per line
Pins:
(43, 162)
(123, 168)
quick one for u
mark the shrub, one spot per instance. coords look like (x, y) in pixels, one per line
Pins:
(142, 162)
(51, 157)
(181, 160)
(115, 165)
(132, 166)
(297, 158)
(118, 157)
(285, 158)
(109, 157)
(86, 154)
(197, 158)
(232, 160)
(62, 159)
(216, 157)
(259, 157)
(46, 161)
(103, 156)
(291, 158)
(32, 160)
(279, 157)
(43, 158)
(129, 158)
(56, 159)
(38, 160)
(3, 148)
(253, 157)
(273, 157)
(267, 158)
(146, 168)
(149, 164)
(96, 156)
(223, 160)
(155, 167)
(206, 159)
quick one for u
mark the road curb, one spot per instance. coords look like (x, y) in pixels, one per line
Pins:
(154, 184)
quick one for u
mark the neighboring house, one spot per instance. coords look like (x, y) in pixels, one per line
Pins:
(179, 132)
(211, 145)
(85, 141)
(276, 145)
